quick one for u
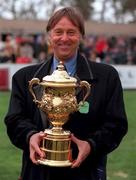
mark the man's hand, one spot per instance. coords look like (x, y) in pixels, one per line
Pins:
(34, 148)
(84, 150)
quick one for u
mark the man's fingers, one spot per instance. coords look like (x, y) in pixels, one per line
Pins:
(42, 134)
(38, 151)
(78, 161)
(33, 157)
(84, 150)
(35, 151)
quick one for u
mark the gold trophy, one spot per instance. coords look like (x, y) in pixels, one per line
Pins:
(58, 101)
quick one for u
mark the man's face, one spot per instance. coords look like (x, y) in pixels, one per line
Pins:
(64, 39)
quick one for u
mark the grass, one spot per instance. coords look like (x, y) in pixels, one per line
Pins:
(121, 162)
(10, 156)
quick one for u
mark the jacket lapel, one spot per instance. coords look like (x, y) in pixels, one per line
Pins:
(44, 69)
(84, 70)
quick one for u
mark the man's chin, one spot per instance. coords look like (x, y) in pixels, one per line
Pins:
(64, 57)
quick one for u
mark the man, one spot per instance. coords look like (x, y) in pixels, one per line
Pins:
(94, 134)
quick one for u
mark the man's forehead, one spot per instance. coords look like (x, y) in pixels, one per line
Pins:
(65, 21)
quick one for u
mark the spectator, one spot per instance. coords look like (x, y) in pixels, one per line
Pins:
(25, 54)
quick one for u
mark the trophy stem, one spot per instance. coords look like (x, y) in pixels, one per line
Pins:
(57, 129)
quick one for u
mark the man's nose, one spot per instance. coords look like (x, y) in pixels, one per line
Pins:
(64, 36)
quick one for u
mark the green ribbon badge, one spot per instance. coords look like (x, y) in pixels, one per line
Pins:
(83, 107)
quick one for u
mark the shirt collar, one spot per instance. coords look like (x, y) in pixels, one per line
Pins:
(70, 64)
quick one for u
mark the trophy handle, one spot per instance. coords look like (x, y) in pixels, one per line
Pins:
(31, 83)
(87, 86)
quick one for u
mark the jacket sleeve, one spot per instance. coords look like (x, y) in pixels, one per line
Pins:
(114, 124)
(19, 124)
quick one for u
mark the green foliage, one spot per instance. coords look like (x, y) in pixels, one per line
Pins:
(121, 162)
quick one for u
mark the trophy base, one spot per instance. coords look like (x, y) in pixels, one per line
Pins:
(54, 163)
(56, 146)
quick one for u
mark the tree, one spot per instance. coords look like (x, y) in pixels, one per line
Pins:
(37, 9)
(24, 9)
(85, 6)
(116, 4)
(124, 8)
(8, 7)
(129, 6)
(102, 14)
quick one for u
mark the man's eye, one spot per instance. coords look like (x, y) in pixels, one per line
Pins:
(71, 33)
(58, 32)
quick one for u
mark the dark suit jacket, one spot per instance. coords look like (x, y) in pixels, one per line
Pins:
(103, 127)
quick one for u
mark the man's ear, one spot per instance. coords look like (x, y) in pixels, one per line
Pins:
(48, 39)
(81, 39)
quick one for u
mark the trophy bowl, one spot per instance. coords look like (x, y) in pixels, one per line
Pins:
(58, 101)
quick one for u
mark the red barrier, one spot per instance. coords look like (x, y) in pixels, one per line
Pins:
(4, 82)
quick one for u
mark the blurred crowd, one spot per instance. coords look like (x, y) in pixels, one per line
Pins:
(35, 49)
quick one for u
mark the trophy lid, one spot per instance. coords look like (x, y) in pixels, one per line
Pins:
(59, 78)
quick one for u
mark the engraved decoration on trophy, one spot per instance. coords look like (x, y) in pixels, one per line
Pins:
(58, 101)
